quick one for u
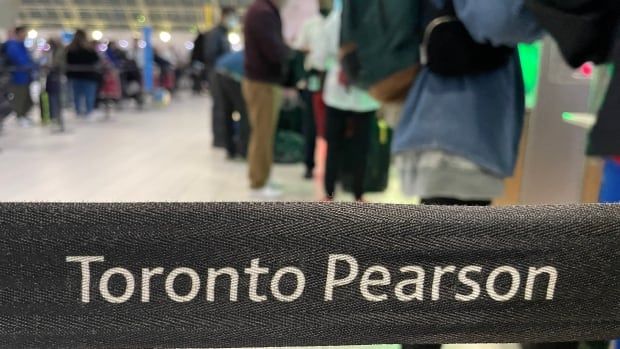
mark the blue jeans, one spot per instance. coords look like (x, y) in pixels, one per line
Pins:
(84, 96)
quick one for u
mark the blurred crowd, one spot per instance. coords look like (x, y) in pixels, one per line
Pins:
(433, 87)
(435, 84)
(90, 75)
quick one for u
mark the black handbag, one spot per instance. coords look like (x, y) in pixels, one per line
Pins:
(449, 49)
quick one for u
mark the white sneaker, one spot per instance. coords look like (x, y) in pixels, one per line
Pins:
(274, 185)
(266, 193)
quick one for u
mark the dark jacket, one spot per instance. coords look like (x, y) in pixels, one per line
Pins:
(266, 52)
(584, 29)
(605, 137)
(199, 48)
(216, 45)
(83, 64)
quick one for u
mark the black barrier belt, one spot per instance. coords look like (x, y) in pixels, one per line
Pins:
(236, 275)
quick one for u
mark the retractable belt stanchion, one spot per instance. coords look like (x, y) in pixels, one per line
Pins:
(238, 275)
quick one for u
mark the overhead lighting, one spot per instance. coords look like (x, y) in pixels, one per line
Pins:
(234, 39)
(123, 43)
(97, 35)
(32, 34)
(189, 45)
(165, 36)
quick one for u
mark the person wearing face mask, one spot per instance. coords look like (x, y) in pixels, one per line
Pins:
(310, 40)
(216, 42)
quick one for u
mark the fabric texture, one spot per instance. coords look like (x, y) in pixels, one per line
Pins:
(21, 101)
(435, 173)
(263, 101)
(84, 95)
(231, 64)
(216, 45)
(341, 125)
(266, 52)
(478, 117)
(228, 94)
(310, 39)
(336, 94)
(20, 61)
(41, 299)
(583, 29)
(605, 136)
(309, 129)
(383, 40)
(83, 64)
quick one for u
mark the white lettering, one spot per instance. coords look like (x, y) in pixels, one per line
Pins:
(475, 287)
(85, 266)
(255, 271)
(439, 273)
(130, 285)
(331, 281)
(514, 286)
(147, 274)
(418, 282)
(299, 289)
(531, 280)
(194, 288)
(367, 281)
(234, 283)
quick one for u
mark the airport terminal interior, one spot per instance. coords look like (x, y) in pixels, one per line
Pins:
(281, 101)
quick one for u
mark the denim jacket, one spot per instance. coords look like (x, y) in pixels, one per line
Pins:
(478, 117)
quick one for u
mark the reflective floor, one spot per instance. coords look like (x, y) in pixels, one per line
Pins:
(161, 154)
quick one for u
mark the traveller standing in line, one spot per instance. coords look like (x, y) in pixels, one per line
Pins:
(459, 135)
(53, 83)
(216, 45)
(226, 89)
(216, 42)
(350, 114)
(83, 71)
(22, 66)
(458, 138)
(311, 40)
(266, 56)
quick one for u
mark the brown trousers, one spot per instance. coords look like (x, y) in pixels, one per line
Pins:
(263, 102)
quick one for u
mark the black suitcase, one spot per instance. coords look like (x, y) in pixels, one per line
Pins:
(379, 160)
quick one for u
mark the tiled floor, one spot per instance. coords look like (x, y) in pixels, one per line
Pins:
(155, 155)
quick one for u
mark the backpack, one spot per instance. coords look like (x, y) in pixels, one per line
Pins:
(449, 49)
(584, 29)
(380, 46)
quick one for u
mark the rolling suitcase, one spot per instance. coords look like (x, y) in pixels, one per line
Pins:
(379, 160)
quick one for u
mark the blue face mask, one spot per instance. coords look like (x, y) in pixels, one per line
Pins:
(232, 22)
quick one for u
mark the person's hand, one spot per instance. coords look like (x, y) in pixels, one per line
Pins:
(343, 79)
